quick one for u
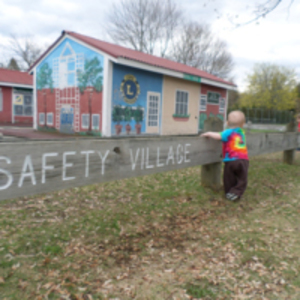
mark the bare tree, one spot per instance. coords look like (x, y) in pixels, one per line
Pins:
(261, 10)
(145, 25)
(197, 47)
(25, 50)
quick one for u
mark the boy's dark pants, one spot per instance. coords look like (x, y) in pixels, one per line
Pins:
(235, 176)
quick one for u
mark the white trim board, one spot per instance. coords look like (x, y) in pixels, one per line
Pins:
(35, 115)
(144, 66)
(16, 85)
(217, 84)
(89, 46)
(67, 36)
(107, 97)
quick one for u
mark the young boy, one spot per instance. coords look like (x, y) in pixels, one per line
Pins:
(235, 155)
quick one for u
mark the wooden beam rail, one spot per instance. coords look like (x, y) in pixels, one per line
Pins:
(34, 167)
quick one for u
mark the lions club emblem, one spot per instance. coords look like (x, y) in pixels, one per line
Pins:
(130, 89)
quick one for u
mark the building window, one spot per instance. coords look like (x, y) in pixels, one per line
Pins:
(41, 118)
(95, 121)
(203, 102)
(222, 106)
(67, 71)
(1, 100)
(22, 101)
(50, 119)
(181, 108)
(213, 98)
(85, 121)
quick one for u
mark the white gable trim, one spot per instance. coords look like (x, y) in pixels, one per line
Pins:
(89, 46)
(217, 84)
(47, 54)
(66, 36)
(16, 85)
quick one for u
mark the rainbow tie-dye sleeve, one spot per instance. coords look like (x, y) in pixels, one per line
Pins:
(234, 144)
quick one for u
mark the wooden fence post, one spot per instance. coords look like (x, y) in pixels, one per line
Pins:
(211, 173)
(289, 155)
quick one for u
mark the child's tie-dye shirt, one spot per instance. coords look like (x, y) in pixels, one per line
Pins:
(234, 144)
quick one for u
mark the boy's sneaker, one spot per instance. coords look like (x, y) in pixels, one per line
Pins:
(232, 197)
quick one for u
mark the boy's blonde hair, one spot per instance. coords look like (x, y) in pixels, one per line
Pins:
(236, 118)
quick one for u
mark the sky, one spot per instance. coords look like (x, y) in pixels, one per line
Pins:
(274, 40)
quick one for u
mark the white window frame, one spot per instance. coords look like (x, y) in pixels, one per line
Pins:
(154, 94)
(49, 114)
(1, 100)
(42, 115)
(187, 104)
(88, 121)
(93, 126)
(222, 107)
(210, 103)
(201, 106)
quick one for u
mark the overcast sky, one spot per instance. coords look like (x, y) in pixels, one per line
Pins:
(275, 39)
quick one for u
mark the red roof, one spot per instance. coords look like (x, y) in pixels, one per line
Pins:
(117, 51)
(15, 77)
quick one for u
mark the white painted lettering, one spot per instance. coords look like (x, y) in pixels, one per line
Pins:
(67, 165)
(87, 161)
(158, 164)
(8, 174)
(186, 152)
(27, 165)
(147, 161)
(179, 154)
(45, 166)
(134, 161)
(103, 158)
(170, 155)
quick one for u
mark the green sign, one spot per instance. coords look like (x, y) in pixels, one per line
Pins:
(192, 78)
(213, 97)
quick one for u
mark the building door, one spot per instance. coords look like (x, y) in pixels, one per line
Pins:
(67, 119)
(153, 105)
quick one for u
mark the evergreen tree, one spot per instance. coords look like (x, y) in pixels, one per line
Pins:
(13, 65)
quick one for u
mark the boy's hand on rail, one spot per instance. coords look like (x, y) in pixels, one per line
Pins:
(212, 135)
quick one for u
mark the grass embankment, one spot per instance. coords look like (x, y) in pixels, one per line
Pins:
(157, 237)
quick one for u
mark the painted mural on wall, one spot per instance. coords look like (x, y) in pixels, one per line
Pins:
(69, 89)
(136, 101)
(211, 104)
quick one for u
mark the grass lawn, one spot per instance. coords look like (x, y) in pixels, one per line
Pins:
(157, 237)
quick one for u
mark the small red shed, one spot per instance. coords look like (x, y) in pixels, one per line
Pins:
(16, 98)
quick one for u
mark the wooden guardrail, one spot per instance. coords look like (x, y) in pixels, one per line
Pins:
(28, 168)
